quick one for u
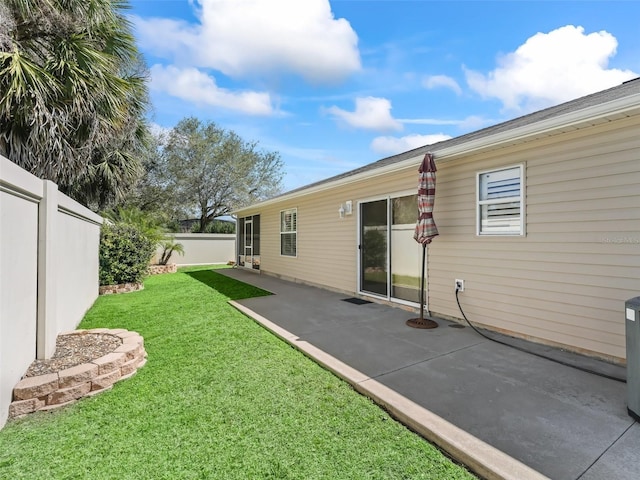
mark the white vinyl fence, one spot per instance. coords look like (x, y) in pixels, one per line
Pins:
(204, 248)
(48, 270)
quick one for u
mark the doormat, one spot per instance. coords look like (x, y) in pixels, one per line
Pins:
(356, 301)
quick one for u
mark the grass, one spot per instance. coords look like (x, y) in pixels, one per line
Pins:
(219, 398)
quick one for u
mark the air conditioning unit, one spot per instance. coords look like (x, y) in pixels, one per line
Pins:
(632, 329)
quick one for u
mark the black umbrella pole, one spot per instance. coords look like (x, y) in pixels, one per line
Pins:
(422, 322)
(424, 255)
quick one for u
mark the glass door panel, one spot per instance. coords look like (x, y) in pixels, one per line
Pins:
(374, 234)
(406, 253)
(240, 232)
(248, 243)
(255, 242)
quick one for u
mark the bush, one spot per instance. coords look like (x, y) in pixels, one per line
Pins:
(168, 247)
(125, 252)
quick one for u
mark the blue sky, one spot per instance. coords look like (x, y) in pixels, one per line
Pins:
(333, 85)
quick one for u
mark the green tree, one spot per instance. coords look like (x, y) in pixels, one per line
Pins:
(72, 94)
(145, 222)
(153, 191)
(169, 246)
(212, 170)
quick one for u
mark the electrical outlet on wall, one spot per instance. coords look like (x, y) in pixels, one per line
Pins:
(459, 285)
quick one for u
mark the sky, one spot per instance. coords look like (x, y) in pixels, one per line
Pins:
(334, 85)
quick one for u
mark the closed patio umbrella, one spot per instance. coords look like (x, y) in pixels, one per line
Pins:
(426, 229)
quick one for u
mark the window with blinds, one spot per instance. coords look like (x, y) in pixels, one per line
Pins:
(289, 232)
(500, 202)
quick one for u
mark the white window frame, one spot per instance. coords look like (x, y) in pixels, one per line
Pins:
(519, 198)
(294, 211)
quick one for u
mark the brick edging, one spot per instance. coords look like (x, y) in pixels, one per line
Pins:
(54, 390)
(120, 288)
(160, 269)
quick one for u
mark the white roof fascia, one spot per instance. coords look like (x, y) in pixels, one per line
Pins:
(577, 119)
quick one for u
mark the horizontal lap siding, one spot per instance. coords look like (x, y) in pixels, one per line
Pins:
(566, 281)
(327, 244)
(563, 283)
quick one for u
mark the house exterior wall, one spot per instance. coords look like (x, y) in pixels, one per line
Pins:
(327, 244)
(563, 283)
(566, 281)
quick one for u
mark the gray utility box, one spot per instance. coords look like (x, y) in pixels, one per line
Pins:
(632, 328)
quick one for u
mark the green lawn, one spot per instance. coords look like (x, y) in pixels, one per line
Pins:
(219, 397)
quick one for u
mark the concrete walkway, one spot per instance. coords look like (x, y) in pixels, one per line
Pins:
(502, 412)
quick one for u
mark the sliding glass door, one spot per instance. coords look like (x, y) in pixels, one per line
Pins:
(390, 259)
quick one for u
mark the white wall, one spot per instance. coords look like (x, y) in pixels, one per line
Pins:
(48, 270)
(77, 279)
(204, 248)
(18, 280)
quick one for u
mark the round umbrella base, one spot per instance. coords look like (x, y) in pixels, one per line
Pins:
(421, 323)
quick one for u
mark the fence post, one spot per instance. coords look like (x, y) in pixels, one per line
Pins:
(47, 237)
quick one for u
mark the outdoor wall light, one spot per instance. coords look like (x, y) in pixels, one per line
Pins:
(341, 211)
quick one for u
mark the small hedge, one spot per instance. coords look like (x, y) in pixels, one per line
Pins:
(124, 254)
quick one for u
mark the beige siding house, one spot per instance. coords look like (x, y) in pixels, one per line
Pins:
(540, 216)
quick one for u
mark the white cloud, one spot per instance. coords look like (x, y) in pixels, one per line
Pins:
(371, 113)
(246, 37)
(437, 81)
(550, 68)
(197, 87)
(394, 145)
(429, 121)
(468, 123)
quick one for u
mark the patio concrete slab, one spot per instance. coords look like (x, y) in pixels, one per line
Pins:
(550, 417)
(559, 421)
(620, 461)
(360, 346)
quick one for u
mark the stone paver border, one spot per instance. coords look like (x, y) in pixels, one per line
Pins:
(120, 288)
(159, 269)
(55, 390)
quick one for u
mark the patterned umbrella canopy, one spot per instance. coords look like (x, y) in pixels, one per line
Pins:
(426, 228)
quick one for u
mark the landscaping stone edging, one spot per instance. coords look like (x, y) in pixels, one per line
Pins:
(55, 390)
(158, 269)
(121, 288)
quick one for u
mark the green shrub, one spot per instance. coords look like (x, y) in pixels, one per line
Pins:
(125, 252)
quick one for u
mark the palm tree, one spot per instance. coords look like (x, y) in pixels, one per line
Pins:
(72, 94)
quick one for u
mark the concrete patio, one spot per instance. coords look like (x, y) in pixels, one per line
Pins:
(503, 412)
